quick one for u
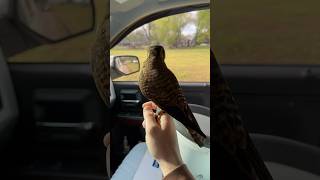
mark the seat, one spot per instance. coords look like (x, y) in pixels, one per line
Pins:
(197, 159)
(288, 159)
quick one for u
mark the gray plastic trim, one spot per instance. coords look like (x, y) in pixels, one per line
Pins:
(288, 152)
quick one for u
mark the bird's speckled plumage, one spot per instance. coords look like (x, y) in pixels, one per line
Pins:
(229, 136)
(158, 84)
(100, 61)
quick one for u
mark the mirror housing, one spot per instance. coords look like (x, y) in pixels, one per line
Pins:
(56, 20)
(124, 65)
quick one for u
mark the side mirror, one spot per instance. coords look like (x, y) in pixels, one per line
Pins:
(126, 65)
(56, 20)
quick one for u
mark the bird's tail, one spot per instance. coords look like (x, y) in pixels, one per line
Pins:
(194, 129)
(199, 139)
(257, 162)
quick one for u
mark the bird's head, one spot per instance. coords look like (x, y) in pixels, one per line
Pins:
(157, 51)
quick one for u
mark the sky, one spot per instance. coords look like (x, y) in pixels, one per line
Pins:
(190, 28)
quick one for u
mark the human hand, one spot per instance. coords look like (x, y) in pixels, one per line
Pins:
(161, 138)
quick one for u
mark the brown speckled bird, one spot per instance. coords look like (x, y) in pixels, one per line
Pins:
(158, 84)
(235, 156)
(100, 60)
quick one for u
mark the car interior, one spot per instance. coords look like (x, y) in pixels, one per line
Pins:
(57, 119)
(274, 81)
(52, 119)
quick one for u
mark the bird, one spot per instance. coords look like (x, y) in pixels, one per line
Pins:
(100, 62)
(158, 84)
(235, 156)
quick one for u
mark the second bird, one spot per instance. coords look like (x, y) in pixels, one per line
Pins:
(158, 84)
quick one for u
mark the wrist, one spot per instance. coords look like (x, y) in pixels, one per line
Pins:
(169, 166)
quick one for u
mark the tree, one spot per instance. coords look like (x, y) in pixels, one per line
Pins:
(135, 39)
(167, 31)
(203, 27)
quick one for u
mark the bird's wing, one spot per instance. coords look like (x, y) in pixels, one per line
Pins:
(172, 100)
(160, 85)
(100, 61)
(229, 136)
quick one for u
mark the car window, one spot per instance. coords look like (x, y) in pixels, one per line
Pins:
(72, 50)
(186, 38)
(267, 32)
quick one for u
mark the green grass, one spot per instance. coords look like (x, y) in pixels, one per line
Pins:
(267, 31)
(190, 65)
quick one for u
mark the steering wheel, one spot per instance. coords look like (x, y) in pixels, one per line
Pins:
(8, 104)
(202, 115)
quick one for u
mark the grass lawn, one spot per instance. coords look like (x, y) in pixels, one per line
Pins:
(190, 65)
(267, 31)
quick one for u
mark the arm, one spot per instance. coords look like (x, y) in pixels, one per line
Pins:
(180, 173)
(162, 143)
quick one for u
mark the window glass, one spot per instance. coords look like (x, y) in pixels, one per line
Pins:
(267, 32)
(186, 40)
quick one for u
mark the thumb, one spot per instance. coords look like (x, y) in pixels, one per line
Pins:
(149, 118)
(166, 121)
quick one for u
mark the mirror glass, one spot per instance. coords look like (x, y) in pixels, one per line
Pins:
(127, 64)
(56, 19)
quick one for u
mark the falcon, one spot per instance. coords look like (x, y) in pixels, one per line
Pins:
(235, 156)
(158, 84)
(100, 64)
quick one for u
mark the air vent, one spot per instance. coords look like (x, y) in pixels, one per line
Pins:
(130, 100)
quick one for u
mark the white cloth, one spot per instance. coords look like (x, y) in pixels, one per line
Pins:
(148, 167)
(130, 164)
(197, 160)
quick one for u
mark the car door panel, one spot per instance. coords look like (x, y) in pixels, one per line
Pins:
(278, 100)
(63, 119)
